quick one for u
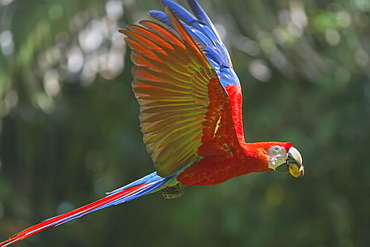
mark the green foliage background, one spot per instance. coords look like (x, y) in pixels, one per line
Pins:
(70, 132)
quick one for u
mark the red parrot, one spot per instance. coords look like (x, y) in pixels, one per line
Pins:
(190, 113)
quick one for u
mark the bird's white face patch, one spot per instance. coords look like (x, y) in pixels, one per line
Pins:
(277, 156)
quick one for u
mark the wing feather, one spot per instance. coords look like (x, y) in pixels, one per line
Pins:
(185, 110)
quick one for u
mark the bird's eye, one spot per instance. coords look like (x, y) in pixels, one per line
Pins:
(277, 149)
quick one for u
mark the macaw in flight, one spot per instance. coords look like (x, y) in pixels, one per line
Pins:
(190, 113)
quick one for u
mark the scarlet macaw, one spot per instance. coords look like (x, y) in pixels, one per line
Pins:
(190, 113)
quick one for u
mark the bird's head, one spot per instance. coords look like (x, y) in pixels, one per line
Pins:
(285, 158)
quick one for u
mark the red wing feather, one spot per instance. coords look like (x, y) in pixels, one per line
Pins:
(185, 112)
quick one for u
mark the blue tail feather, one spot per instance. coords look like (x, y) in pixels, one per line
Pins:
(150, 183)
(138, 188)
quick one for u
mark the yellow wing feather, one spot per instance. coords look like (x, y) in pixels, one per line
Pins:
(172, 79)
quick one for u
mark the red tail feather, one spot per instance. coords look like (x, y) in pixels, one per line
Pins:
(76, 213)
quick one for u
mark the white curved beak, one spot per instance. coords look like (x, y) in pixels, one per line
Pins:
(294, 162)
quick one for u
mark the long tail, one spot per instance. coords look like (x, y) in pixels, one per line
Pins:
(136, 189)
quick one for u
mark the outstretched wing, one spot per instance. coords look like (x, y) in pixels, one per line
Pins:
(181, 82)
